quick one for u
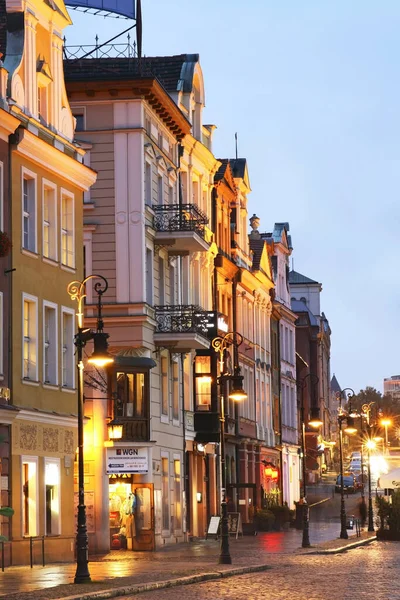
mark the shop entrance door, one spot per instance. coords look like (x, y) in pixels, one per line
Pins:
(144, 517)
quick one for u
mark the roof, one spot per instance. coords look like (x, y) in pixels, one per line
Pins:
(276, 234)
(257, 246)
(175, 73)
(219, 175)
(335, 387)
(298, 278)
(238, 166)
(298, 306)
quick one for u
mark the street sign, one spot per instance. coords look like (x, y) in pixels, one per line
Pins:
(127, 460)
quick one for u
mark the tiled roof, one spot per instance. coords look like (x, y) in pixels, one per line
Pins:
(335, 387)
(298, 306)
(257, 247)
(238, 166)
(298, 278)
(222, 169)
(173, 72)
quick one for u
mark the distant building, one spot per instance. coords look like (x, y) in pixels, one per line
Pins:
(391, 386)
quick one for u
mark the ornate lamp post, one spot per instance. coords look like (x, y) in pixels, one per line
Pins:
(386, 422)
(100, 358)
(220, 345)
(315, 422)
(370, 445)
(342, 416)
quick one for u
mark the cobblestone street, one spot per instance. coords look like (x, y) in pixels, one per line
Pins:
(369, 572)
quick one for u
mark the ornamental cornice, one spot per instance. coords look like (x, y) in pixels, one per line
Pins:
(55, 161)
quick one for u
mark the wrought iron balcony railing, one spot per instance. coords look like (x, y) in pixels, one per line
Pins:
(179, 217)
(181, 319)
(134, 429)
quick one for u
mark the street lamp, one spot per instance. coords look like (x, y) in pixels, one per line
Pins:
(386, 423)
(314, 422)
(370, 445)
(220, 345)
(100, 358)
(342, 416)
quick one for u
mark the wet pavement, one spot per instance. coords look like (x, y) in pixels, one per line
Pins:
(120, 568)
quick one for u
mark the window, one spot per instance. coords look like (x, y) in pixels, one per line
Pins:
(86, 194)
(175, 391)
(161, 281)
(49, 222)
(67, 230)
(29, 212)
(172, 284)
(148, 191)
(165, 493)
(30, 338)
(131, 401)
(1, 197)
(177, 492)
(203, 382)
(29, 496)
(42, 103)
(1, 336)
(164, 385)
(149, 276)
(67, 348)
(50, 354)
(170, 194)
(160, 190)
(52, 496)
(80, 121)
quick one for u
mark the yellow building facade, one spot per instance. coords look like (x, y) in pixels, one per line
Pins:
(47, 183)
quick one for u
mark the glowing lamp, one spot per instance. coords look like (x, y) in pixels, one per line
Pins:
(386, 422)
(100, 356)
(350, 429)
(370, 444)
(315, 420)
(237, 392)
(114, 430)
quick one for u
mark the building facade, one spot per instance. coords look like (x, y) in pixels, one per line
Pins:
(47, 182)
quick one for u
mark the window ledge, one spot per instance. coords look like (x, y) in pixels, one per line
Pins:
(68, 269)
(68, 390)
(164, 419)
(29, 253)
(176, 423)
(30, 382)
(50, 261)
(50, 386)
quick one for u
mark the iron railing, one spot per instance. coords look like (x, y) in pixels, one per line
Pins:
(181, 319)
(179, 217)
(97, 50)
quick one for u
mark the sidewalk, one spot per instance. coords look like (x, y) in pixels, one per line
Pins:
(120, 572)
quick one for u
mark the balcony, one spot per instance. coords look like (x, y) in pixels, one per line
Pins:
(182, 227)
(134, 429)
(184, 328)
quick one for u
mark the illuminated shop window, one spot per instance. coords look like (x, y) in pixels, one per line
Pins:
(29, 496)
(52, 496)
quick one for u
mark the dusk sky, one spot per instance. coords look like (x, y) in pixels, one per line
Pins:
(313, 90)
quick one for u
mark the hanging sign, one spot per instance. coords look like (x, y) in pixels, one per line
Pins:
(127, 460)
(126, 8)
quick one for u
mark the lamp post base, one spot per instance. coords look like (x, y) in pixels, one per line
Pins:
(224, 557)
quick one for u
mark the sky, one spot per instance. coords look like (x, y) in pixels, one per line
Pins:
(312, 89)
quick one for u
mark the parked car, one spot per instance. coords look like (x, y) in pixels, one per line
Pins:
(349, 484)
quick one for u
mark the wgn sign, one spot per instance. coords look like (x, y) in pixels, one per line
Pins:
(127, 460)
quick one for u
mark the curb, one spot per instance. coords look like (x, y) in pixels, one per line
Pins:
(169, 583)
(344, 548)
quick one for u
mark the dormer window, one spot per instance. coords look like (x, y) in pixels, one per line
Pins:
(43, 80)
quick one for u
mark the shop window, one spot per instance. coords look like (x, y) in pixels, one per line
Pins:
(203, 382)
(131, 395)
(165, 493)
(29, 496)
(52, 496)
(177, 491)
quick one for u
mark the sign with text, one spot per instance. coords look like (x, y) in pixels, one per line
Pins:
(127, 460)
